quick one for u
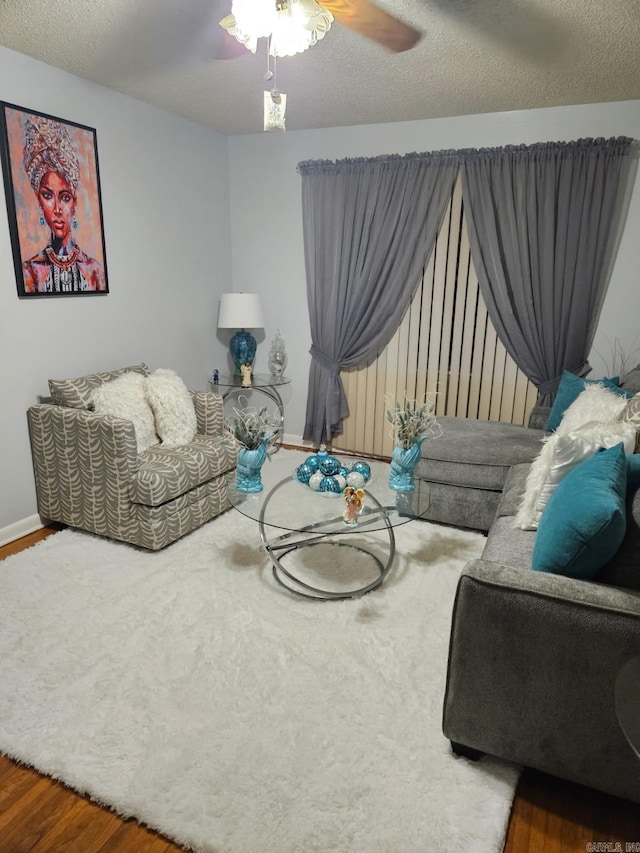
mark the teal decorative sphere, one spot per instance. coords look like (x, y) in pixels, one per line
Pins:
(304, 472)
(362, 468)
(329, 465)
(330, 484)
(313, 462)
(324, 473)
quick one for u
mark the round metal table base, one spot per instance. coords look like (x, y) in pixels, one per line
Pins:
(321, 533)
(294, 584)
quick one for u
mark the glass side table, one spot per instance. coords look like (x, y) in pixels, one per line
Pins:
(229, 385)
(627, 699)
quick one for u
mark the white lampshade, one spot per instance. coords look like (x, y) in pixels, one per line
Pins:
(240, 311)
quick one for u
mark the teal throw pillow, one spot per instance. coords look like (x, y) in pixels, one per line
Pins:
(633, 472)
(570, 388)
(584, 523)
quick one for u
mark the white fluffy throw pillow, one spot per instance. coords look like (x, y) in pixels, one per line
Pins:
(561, 453)
(596, 403)
(172, 407)
(125, 397)
(631, 415)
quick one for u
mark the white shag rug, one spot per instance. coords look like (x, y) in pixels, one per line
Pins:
(188, 689)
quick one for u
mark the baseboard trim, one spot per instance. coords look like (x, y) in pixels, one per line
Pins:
(19, 529)
(296, 442)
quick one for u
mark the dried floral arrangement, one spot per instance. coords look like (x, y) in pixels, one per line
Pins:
(412, 421)
(251, 426)
(621, 358)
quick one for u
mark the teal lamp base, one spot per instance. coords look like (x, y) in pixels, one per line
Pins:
(243, 349)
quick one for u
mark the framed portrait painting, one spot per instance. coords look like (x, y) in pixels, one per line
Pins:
(52, 188)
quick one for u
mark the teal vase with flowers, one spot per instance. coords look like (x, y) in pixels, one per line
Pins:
(411, 424)
(253, 429)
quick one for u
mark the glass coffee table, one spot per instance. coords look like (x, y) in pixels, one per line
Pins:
(313, 552)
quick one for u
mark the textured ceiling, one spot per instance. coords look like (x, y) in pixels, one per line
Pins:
(475, 56)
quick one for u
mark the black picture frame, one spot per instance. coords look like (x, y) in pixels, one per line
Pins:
(54, 204)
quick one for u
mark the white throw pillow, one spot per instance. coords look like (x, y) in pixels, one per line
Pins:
(596, 403)
(631, 415)
(125, 397)
(561, 453)
(631, 412)
(172, 406)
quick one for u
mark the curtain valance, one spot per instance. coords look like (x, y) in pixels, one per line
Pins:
(363, 164)
(531, 152)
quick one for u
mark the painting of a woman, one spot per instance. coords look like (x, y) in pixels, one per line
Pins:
(47, 196)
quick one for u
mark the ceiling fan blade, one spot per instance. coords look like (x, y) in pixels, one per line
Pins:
(374, 23)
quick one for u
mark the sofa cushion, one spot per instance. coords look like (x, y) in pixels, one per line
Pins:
(165, 473)
(476, 454)
(172, 407)
(461, 506)
(157, 526)
(595, 404)
(584, 523)
(508, 546)
(77, 392)
(125, 397)
(569, 389)
(513, 490)
(623, 569)
(561, 454)
(631, 380)
(631, 414)
(633, 471)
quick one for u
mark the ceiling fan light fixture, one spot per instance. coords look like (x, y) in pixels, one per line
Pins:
(291, 26)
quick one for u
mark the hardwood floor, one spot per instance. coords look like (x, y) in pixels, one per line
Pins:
(39, 815)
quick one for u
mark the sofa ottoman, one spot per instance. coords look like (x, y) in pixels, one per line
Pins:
(467, 466)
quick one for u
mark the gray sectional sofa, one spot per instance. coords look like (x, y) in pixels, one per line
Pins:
(534, 657)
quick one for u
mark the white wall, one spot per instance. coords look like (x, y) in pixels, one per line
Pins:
(172, 241)
(267, 228)
(165, 196)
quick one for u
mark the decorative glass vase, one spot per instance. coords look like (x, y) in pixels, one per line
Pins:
(403, 463)
(277, 357)
(250, 461)
(243, 349)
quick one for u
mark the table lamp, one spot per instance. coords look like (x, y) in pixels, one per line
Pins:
(241, 311)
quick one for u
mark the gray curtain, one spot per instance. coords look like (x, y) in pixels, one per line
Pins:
(544, 223)
(369, 228)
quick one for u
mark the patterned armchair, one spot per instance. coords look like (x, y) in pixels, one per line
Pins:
(89, 474)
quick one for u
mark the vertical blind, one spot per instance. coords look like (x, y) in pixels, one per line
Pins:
(445, 349)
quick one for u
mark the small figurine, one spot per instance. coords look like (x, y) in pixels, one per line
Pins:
(354, 501)
(246, 375)
(216, 377)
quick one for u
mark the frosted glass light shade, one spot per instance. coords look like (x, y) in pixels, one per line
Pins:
(240, 311)
(293, 28)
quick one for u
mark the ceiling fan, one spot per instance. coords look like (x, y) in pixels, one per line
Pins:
(363, 17)
(374, 23)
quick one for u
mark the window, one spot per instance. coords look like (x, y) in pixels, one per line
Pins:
(445, 344)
